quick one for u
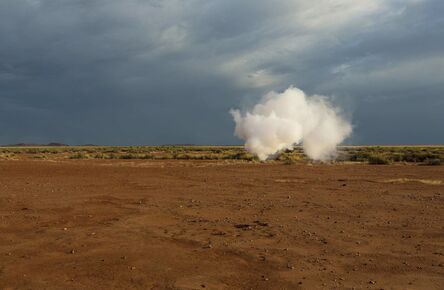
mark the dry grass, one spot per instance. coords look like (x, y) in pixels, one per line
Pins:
(425, 155)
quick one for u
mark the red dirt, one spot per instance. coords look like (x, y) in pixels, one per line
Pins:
(214, 225)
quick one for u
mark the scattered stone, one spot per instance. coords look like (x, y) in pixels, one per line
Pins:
(72, 251)
(218, 233)
(133, 268)
(243, 226)
(371, 282)
(65, 229)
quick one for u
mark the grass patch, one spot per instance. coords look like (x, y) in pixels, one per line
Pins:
(78, 155)
(378, 159)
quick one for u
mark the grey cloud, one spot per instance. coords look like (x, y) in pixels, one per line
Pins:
(138, 72)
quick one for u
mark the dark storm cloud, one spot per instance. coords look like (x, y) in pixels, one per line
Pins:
(138, 72)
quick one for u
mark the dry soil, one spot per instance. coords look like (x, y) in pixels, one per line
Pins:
(88, 224)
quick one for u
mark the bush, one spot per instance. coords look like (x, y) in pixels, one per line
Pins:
(289, 161)
(378, 159)
(128, 156)
(78, 156)
(432, 162)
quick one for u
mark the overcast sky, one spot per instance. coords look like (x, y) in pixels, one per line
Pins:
(159, 72)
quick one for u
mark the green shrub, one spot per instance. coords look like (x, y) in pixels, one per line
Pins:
(378, 159)
(432, 162)
(128, 156)
(78, 155)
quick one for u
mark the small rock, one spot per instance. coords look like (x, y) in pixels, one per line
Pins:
(371, 282)
(218, 233)
(243, 226)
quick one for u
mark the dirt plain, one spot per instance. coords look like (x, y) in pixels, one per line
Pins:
(137, 224)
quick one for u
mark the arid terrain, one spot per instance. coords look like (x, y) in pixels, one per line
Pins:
(219, 224)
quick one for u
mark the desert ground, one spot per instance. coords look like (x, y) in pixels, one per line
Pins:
(219, 224)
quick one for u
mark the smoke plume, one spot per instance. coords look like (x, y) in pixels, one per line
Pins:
(283, 120)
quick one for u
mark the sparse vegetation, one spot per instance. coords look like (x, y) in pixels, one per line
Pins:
(378, 159)
(78, 156)
(432, 162)
(426, 155)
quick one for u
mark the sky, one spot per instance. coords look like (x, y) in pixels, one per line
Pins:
(136, 72)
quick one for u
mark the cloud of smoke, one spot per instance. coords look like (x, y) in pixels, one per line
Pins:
(283, 120)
